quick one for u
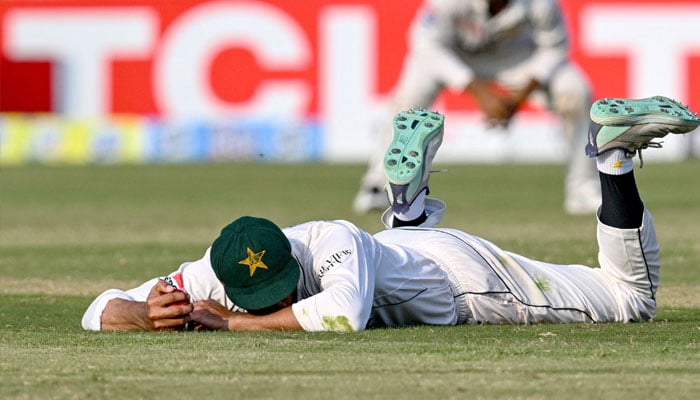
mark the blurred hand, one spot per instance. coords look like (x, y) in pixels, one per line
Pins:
(494, 104)
(499, 106)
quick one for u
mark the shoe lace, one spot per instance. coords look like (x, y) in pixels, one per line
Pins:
(643, 146)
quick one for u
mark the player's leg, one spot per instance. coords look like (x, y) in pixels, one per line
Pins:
(624, 288)
(620, 128)
(417, 135)
(416, 88)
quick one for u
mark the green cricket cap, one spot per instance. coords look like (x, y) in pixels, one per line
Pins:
(253, 259)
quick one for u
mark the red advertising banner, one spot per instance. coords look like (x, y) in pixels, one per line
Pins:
(137, 53)
(193, 59)
(133, 56)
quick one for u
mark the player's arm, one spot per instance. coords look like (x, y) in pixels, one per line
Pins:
(344, 264)
(433, 42)
(551, 37)
(213, 315)
(160, 311)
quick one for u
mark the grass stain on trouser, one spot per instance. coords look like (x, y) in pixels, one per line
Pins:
(337, 324)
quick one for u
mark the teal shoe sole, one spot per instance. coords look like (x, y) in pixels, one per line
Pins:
(631, 124)
(405, 157)
(650, 110)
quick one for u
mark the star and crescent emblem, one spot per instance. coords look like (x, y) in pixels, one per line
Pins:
(254, 260)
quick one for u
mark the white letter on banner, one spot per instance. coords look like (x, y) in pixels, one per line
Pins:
(348, 71)
(81, 43)
(181, 74)
(657, 40)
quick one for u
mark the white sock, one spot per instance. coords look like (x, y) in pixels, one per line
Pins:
(415, 210)
(614, 162)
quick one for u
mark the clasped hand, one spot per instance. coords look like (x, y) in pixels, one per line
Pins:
(169, 308)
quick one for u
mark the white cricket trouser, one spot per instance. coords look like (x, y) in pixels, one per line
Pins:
(494, 286)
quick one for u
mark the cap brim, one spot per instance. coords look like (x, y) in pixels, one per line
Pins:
(267, 293)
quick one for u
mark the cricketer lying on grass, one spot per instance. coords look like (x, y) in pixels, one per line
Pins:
(331, 275)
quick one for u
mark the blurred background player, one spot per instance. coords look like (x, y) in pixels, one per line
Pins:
(502, 53)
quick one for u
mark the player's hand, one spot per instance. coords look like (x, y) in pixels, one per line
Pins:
(497, 106)
(212, 315)
(168, 307)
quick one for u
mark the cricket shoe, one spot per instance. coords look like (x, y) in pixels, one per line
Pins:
(417, 137)
(632, 124)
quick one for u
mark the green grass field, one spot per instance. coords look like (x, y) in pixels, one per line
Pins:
(67, 233)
